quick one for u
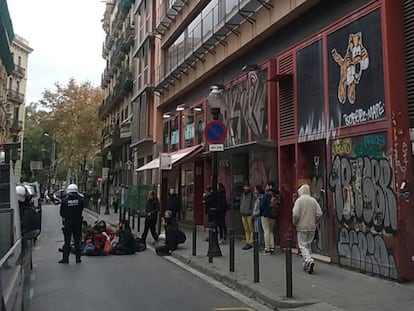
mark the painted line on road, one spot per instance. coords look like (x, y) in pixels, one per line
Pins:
(233, 309)
(246, 300)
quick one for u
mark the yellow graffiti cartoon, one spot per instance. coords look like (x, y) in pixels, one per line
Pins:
(355, 61)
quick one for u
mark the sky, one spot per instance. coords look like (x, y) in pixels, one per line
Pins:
(66, 37)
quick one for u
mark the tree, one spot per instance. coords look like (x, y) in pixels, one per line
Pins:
(72, 119)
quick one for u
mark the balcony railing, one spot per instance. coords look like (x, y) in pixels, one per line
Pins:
(212, 29)
(125, 131)
(19, 72)
(166, 13)
(15, 96)
(123, 86)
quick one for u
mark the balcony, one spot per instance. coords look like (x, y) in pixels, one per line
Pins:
(125, 131)
(16, 126)
(19, 72)
(122, 88)
(167, 14)
(129, 34)
(107, 134)
(15, 97)
(211, 30)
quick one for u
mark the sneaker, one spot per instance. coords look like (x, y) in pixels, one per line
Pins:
(267, 252)
(78, 260)
(247, 246)
(311, 267)
(272, 250)
(63, 261)
(305, 267)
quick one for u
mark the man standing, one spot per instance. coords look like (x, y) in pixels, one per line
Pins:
(246, 209)
(152, 207)
(306, 213)
(173, 204)
(71, 212)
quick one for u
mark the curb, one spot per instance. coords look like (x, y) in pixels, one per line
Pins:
(246, 289)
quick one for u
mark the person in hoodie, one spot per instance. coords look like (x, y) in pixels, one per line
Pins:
(71, 212)
(306, 213)
(173, 204)
(246, 209)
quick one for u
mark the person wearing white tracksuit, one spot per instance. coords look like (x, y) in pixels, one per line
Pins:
(306, 213)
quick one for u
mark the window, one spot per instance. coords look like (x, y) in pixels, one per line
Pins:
(175, 138)
(19, 61)
(166, 137)
(188, 127)
(199, 123)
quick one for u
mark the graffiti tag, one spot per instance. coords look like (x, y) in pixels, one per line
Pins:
(366, 252)
(360, 115)
(362, 190)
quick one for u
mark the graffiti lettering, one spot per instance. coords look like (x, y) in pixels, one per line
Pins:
(362, 190)
(360, 115)
(366, 252)
(342, 146)
(375, 139)
(245, 108)
(401, 165)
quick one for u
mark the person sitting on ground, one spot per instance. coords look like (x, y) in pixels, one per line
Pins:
(126, 242)
(173, 236)
(105, 230)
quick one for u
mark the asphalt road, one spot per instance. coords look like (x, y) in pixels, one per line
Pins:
(142, 281)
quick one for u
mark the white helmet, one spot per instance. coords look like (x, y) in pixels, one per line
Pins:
(72, 188)
(23, 194)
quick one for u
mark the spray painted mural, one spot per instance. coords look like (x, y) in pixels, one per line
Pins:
(245, 108)
(365, 203)
(355, 71)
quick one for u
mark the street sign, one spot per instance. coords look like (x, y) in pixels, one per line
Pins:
(215, 132)
(215, 147)
(165, 161)
(105, 173)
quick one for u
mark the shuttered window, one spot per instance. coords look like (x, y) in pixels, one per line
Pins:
(409, 55)
(286, 102)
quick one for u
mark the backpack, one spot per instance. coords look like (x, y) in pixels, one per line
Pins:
(275, 206)
(181, 238)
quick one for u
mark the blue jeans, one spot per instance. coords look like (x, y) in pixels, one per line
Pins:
(258, 228)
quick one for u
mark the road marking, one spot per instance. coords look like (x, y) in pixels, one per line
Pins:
(32, 276)
(233, 309)
(246, 300)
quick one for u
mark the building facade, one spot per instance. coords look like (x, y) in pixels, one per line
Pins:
(16, 94)
(323, 101)
(117, 83)
(314, 92)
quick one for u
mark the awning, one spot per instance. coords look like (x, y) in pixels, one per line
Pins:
(175, 157)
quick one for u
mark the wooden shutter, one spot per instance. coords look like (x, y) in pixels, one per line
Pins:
(409, 55)
(286, 98)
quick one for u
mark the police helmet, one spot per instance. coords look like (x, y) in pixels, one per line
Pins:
(72, 188)
(23, 194)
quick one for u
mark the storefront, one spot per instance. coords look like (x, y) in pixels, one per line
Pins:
(343, 129)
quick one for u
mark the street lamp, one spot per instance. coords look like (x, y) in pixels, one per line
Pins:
(53, 161)
(215, 101)
(109, 159)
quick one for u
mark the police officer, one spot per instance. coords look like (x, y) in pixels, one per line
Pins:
(71, 212)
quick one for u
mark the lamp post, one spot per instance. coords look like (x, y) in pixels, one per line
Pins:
(109, 159)
(215, 100)
(53, 158)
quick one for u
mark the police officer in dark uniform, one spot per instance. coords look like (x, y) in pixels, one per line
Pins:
(71, 212)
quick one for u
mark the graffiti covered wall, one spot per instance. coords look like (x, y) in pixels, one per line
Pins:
(245, 109)
(355, 70)
(365, 204)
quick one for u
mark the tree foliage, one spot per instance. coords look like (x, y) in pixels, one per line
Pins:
(69, 114)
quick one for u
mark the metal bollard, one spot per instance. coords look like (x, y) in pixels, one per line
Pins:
(256, 256)
(133, 219)
(289, 279)
(231, 233)
(138, 222)
(210, 241)
(195, 240)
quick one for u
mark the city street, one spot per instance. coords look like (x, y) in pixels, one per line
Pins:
(142, 281)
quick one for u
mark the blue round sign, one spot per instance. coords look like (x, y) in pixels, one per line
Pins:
(215, 132)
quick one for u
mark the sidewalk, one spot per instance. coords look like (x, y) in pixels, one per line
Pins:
(329, 288)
